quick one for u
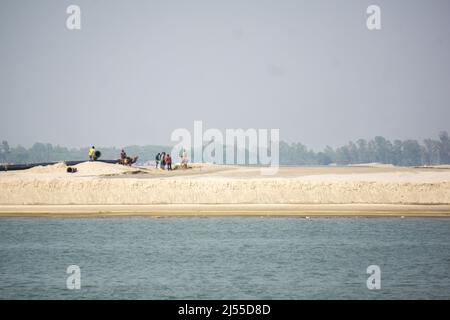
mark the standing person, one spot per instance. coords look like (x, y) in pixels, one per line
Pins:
(163, 160)
(169, 162)
(157, 159)
(123, 155)
(92, 154)
(184, 159)
(124, 159)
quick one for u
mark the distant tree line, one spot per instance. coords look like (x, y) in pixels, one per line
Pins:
(45, 152)
(379, 149)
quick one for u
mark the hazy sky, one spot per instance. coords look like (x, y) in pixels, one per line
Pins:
(137, 70)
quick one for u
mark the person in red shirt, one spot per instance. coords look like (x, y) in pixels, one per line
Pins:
(169, 162)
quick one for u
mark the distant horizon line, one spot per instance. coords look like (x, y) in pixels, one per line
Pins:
(173, 143)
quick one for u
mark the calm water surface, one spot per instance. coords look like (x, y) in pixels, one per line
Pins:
(225, 258)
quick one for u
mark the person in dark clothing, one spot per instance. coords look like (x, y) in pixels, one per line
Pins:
(169, 162)
(163, 160)
(123, 155)
(158, 159)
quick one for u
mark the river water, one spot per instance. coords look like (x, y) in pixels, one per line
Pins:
(224, 258)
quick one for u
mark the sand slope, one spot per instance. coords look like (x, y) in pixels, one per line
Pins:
(109, 184)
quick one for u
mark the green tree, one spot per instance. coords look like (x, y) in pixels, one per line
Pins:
(431, 151)
(323, 159)
(383, 150)
(412, 153)
(353, 152)
(363, 151)
(4, 151)
(343, 155)
(397, 150)
(444, 147)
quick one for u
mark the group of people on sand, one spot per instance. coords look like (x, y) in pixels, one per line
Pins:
(124, 158)
(163, 160)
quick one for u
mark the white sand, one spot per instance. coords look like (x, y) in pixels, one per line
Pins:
(214, 210)
(372, 164)
(83, 169)
(98, 183)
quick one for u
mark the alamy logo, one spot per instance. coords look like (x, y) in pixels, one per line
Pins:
(73, 21)
(250, 146)
(74, 279)
(374, 280)
(374, 20)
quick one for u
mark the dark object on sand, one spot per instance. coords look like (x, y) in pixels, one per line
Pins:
(71, 170)
(97, 155)
(127, 161)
